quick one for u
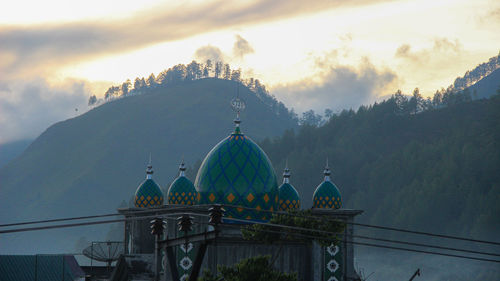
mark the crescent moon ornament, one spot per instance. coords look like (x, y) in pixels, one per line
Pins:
(238, 105)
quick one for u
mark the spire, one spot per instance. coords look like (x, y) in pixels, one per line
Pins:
(182, 168)
(149, 170)
(238, 105)
(327, 172)
(286, 173)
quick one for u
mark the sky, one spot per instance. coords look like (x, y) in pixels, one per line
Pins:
(313, 54)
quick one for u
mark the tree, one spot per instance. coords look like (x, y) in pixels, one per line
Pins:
(92, 100)
(138, 83)
(113, 90)
(437, 100)
(401, 102)
(227, 72)
(311, 118)
(416, 102)
(218, 69)
(236, 75)
(328, 113)
(126, 87)
(207, 69)
(151, 82)
(252, 269)
(193, 71)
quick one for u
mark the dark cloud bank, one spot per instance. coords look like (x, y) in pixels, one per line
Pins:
(39, 46)
(340, 87)
(36, 105)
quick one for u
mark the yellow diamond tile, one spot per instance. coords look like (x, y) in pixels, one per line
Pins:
(249, 217)
(230, 197)
(211, 197)
(258, 207)
(250, 197)
(239, 209)
(266, 198)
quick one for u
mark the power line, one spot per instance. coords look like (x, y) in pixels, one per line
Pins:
(424, 245)
(79, 224)
(387, 247)
(375, 226)
(178, 208)
(92, 217)
(261, 223)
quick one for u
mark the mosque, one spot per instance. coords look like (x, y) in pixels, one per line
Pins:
(237, 174)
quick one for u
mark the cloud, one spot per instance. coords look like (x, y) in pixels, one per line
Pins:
(442, 48)
(241, 47)
(36, 48)
(337, 87)
(28, 107)
(209, 53)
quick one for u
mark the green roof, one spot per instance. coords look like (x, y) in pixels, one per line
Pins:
(148, 194)
(39, 267)
(238, 172)
(182, 192)
(326, 196)
(288, 198)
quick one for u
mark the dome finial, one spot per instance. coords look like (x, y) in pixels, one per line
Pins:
(286, 173)
(182, 168)
(327, 172)
(238, 105)
(149, 170)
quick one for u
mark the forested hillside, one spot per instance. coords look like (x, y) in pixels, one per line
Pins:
(437, 170)
(91, 163)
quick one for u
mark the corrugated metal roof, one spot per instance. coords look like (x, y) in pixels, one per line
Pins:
(39, 268)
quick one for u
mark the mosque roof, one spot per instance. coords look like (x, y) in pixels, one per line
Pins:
(327, 195)
(238, 172)
(148, 193)
(288, 196)
(182, 190)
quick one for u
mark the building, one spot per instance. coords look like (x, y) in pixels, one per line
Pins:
(237, 174)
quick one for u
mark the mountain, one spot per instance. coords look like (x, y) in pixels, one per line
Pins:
(487, 86)
(478, 73)
(91, 163)
(11, 150)
(436, 171)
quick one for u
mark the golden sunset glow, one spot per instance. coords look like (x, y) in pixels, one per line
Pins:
(293, 44)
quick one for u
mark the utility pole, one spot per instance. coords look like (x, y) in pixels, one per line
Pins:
(216, 212)
(417, 273)
(157, 227)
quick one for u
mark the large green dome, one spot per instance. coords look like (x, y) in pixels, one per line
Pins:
(327, 195)
(238, 172)
(182, 190)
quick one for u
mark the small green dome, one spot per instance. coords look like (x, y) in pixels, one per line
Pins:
(238, 172)
(327, 195)
(288, 196)
(148, 193)
(182, 191)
